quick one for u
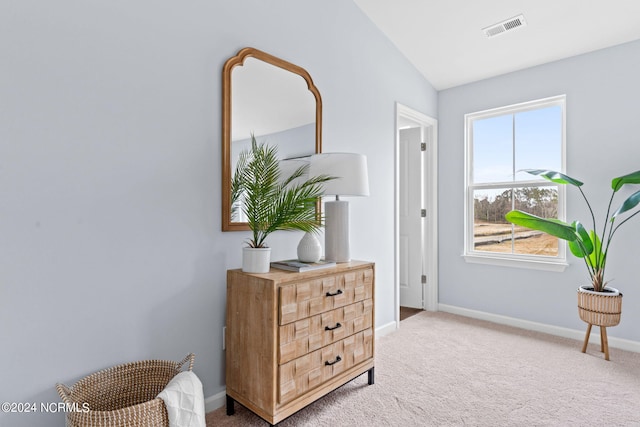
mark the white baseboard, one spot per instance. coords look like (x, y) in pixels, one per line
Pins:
(386, 329)
(620, 343)
(216, 401)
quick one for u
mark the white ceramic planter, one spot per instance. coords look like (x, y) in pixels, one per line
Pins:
(256, 260)
(609, 291)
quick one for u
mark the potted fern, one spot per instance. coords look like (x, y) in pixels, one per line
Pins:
(271, 201)
(598, 304)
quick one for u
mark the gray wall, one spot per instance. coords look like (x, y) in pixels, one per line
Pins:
(110, 241)
(602, 142)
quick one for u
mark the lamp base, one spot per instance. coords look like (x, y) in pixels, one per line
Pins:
(336, 235)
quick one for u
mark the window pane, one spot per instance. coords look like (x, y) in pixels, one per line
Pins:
(493, 149)
(538, 135)
(491, 232)
(542, 202)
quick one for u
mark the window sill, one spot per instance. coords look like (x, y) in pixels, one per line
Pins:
(556, 266)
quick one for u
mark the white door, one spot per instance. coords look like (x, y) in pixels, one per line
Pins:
(416, 241)
(411, 223)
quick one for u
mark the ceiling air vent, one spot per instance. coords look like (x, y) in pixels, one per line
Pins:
(504, 26)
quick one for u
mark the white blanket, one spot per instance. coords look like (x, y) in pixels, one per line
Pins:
(184, 399)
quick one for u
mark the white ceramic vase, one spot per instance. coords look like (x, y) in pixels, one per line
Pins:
(309, 248)
(256, 260)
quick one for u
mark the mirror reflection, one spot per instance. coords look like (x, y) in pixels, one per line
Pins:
(274, 100)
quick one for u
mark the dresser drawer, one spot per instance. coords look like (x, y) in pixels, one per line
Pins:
(303, 336)
(307, 372)
(310, 297)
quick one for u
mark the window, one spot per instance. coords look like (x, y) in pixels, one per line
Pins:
(500, 143)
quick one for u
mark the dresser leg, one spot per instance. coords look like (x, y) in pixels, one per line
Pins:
(230, 405)
(370, 373)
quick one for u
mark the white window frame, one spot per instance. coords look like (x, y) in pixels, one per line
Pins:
(540, 262)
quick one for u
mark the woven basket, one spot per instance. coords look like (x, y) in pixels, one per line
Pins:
(599, 308)
(122, 396)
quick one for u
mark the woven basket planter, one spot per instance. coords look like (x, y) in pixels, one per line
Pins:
(599, 308)
(122, 396)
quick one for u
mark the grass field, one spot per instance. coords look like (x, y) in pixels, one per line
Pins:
(488, 236)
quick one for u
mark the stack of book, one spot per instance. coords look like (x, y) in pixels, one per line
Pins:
(295, 265)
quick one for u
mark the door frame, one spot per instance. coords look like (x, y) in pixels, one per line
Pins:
(430, 197)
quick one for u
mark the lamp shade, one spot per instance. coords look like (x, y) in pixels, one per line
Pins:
(350, 170)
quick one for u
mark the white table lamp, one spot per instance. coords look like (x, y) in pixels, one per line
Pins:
(350, 170)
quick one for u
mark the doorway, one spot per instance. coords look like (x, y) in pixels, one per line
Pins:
(416, 211)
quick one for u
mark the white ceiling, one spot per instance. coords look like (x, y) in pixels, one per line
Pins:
(445, 41)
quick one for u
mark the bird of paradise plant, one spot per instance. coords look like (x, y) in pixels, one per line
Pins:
(588, 245)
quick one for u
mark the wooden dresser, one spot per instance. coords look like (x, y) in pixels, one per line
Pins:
(293, 337)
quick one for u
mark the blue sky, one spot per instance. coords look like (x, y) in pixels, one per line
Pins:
(537, 144)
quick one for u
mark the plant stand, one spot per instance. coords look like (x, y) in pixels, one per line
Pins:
(604, 344)
(601, 309)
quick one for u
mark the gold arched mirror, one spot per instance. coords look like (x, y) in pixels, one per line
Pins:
(272, 99)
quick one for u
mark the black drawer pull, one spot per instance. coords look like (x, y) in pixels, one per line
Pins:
(338, 358)
(338, 292)
(329, 328)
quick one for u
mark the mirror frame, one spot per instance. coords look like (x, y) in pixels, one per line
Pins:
(230, 64)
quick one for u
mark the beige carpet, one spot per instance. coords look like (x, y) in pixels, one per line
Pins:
(441, 369)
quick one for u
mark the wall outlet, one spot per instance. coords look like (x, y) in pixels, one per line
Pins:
(224, 341)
